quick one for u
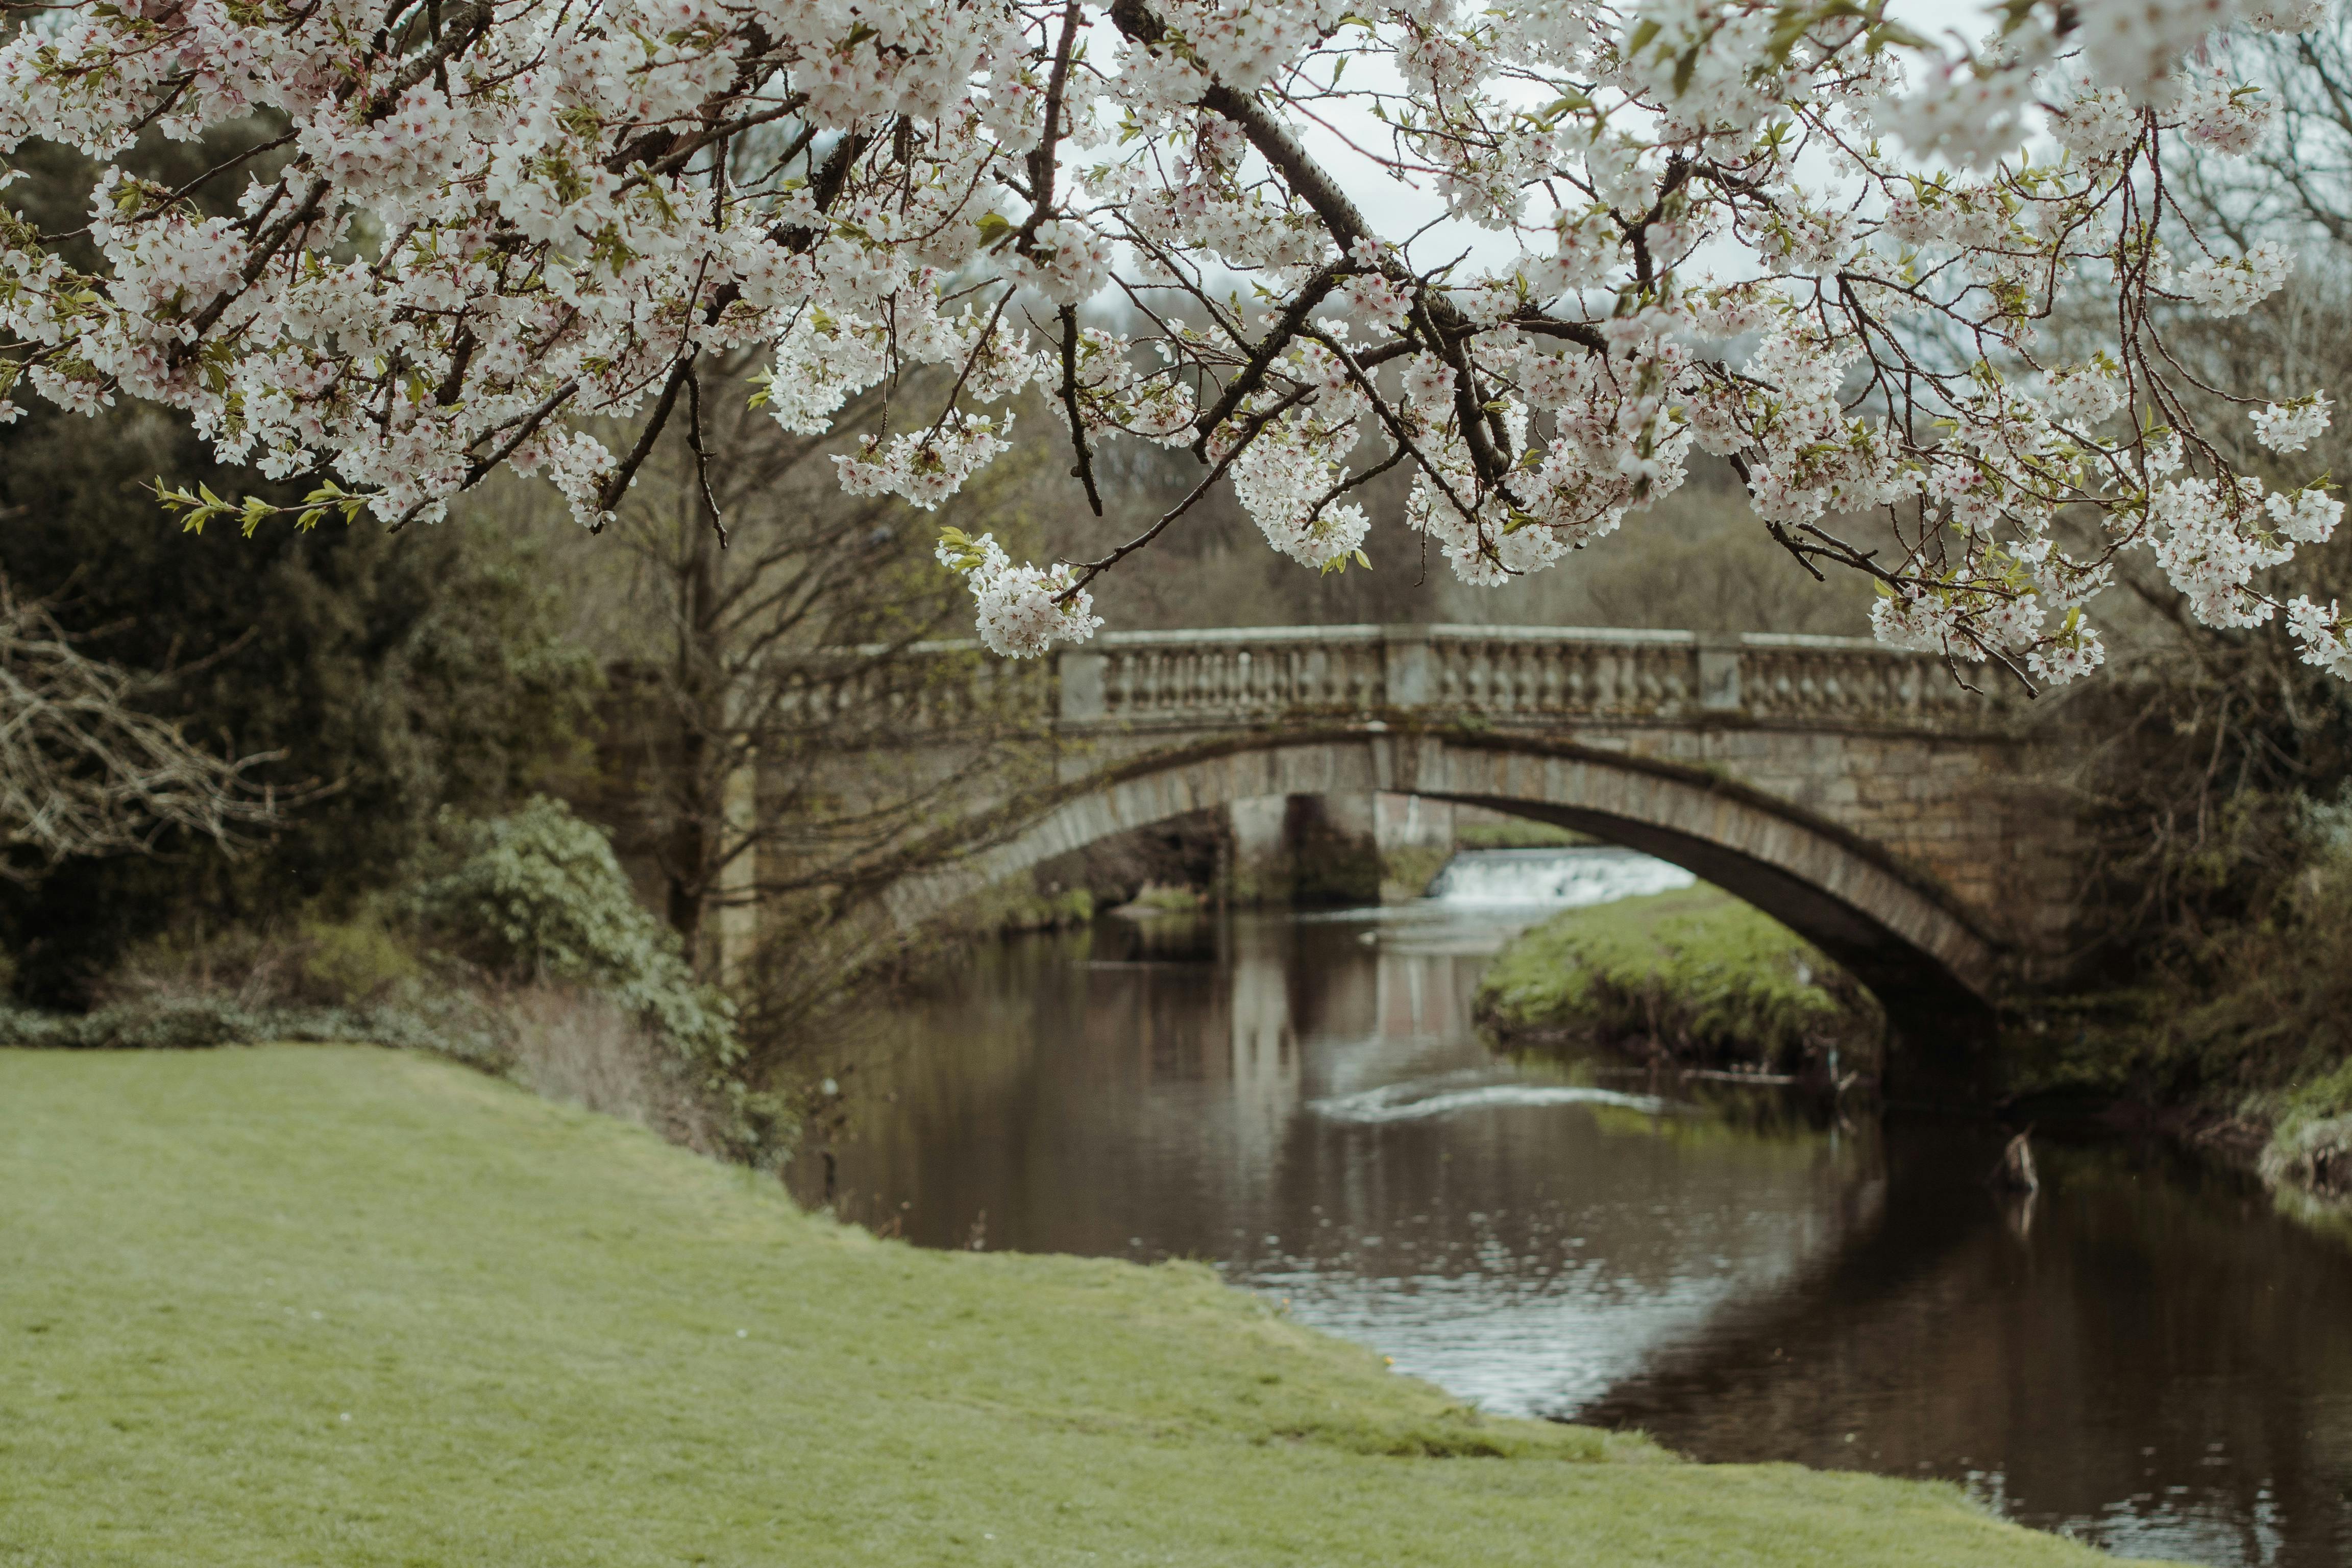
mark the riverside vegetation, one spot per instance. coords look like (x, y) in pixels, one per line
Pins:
(1694, 977)
(368, 1307)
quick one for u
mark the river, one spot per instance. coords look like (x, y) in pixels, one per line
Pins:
(2145, 1355)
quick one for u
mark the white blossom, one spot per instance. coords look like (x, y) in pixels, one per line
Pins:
(2291, 428)
(499, 234)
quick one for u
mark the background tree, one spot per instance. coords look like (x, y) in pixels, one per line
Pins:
(86, 771)
(736, 597)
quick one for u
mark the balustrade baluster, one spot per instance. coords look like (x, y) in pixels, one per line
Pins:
(1830, 694)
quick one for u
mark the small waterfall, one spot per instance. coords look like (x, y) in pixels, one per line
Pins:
(1560, 878)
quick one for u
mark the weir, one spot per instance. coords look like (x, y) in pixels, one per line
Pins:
(1553, 879)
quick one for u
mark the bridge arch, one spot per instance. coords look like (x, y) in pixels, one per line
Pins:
(1893, 928)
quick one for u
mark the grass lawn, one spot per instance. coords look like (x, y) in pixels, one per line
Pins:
(345, 1306)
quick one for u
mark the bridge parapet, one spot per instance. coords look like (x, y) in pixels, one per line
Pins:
(1511, 675)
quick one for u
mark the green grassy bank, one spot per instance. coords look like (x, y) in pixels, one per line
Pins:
(1696, 972)
(348, 1305)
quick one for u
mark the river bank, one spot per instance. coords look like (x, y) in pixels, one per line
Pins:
(360, 1306)
(1691, 978)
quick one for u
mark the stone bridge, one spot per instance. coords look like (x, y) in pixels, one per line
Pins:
(1856, 793)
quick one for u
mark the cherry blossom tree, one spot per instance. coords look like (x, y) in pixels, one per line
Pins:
(1793, 233)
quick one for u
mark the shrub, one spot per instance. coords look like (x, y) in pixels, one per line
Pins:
(537, 896)
(354, 960)
(178, 1024)
(520, 949)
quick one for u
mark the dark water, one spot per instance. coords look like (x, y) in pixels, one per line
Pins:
(2145, 1356)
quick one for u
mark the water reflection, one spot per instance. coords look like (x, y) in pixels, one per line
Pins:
(2149, 1358)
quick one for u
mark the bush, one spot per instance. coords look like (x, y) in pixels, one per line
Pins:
(539, 895)
(520, 949)
(182, 1023)
(355, 961)
(450, 1025)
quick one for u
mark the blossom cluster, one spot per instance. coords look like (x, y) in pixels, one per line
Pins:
(1023, 610)
(1786, 233)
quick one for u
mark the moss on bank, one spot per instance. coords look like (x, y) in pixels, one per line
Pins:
(1695, 973)
(1408, 869)
(359, 1307)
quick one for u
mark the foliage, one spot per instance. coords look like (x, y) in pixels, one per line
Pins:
(558, 1340)
(358, 960)
(1793, 234)
(538, 895)
(1689, 972)
(401, 674)
(2244, 1012)
(2310, 1144)
(444, 1024)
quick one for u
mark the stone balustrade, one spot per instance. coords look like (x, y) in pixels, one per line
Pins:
(1515, 675)
(1507, 675)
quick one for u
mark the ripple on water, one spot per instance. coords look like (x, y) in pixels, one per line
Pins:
(1429, 1097)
